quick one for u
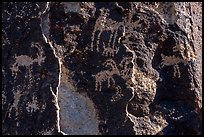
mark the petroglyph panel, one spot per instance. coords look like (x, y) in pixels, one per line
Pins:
(76, 68)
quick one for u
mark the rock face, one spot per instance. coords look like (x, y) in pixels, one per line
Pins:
(81, 68)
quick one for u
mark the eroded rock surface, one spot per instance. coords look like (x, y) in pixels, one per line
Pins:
(80, 68)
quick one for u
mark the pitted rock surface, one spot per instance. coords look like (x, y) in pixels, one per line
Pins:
(92, 68)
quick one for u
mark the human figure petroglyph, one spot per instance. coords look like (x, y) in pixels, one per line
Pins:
(117, 96)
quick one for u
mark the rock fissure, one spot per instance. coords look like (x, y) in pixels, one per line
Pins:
(89, 68)
(47, 40)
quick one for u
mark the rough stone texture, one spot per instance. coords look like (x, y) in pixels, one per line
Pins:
(102, 68)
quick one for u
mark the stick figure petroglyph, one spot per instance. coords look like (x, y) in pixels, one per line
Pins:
(99, 26)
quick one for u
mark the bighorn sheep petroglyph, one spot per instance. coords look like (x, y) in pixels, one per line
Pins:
(106, 75)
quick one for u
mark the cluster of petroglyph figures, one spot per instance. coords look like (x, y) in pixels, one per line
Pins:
(110, 49)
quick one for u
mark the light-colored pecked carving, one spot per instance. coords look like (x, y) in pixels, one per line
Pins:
(126, 70)
(108, 51)
(177, 71)
(24, 60)
(106, 75)
(99, 25)
(17, 96)
(105, 24)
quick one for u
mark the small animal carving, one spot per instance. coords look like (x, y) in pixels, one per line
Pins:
(124, 70)
(106, 75)
(24, 60)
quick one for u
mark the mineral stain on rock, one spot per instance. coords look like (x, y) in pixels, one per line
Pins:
(77, 113)
(96, 68)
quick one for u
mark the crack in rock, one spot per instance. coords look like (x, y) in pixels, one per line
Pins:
(75, 112)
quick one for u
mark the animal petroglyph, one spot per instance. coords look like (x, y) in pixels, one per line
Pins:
(106, 24)
(24, 60)
(124, 69)
(106, 75)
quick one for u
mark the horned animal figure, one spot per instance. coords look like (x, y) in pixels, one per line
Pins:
(106, 75)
